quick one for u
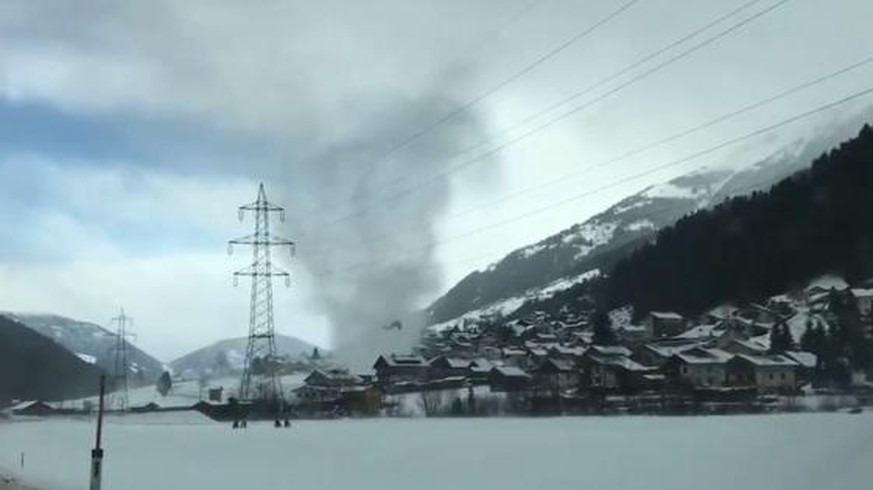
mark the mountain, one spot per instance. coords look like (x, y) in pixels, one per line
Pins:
(33, 367)
(92, 343)
(543, 270)
(815, 222)
(229, 355)
(581, 251)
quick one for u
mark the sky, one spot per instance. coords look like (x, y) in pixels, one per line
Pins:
(396, 133)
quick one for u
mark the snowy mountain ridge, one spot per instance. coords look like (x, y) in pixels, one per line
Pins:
(605, 238)
(90, 342)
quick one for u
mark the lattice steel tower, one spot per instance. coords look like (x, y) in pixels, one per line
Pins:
(121, 400)
(260, 380)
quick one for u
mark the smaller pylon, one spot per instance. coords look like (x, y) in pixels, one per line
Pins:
(121, 398)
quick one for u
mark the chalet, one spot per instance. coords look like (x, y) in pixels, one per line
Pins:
(698, 367)
(337, 389)
(33, 407)
(806, 363)
(658, 353)
(565, 352)
(864, 300)
(633, 334)
(703, 332)
(479, 370)
(444, 367)
(329, 385)
(556, 375)
(744, 346)
(513, 356)
(612, 371)
(396, 368)
(766, 373)
(663, 324)
(508, 378)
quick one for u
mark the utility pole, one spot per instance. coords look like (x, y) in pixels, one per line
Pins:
(97, 452)
(260, 381)
(121, 372)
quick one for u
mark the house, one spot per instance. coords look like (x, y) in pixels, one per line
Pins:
(33, 407)
(614, 371)
(556, 375)
(395, 368)
(766, 373)
(508, 378)
(864, 300)
(514, 356)
(338, 389)
(215, 394)
(479, 370)
(657, 353)
(806, 363)
(444, 367)
(326, 385)
(743, 346)
(633, 334)
(568, 353)
(698, 367)
(663, 324)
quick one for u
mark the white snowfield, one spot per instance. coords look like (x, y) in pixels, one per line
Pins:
(768, 452)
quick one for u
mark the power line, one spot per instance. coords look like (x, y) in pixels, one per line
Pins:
(576, 37)
(618, 182)
(566, 114)
(654, 144)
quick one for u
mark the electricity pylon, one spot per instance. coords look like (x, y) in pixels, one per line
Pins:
(122, 369)
(260, 379)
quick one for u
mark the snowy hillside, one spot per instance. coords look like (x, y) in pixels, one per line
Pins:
(92, 343)
(599, 241)
(226, 356)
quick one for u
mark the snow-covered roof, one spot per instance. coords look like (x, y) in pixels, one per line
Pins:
(667, 350)
(611, 350)
(698, 332)
(704, 356)
(828, 281)
(511, 371)
(666, 315)
(862, 292)
(775, 360)
(803, 358)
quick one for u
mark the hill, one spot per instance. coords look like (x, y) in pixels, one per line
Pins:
(815, 222)
(34, 367)
(551, 270)
(583, 250)
(226, 356)
(92, 342)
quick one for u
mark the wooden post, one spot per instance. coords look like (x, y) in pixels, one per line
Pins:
(97, 452)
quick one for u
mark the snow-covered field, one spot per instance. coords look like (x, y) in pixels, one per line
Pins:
(169, 451)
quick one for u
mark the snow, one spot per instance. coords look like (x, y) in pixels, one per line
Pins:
(643, 224)
(508, 306)
(828, 282)
(673, 191)
(760, 452)
(86, 358)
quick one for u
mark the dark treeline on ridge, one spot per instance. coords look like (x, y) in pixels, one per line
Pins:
(817, 221)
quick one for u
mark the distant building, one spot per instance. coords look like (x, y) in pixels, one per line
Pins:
(394, 368)
(556, 375)
(33, 407)
(766, 373)
(444, 367)
(508, 378)
(864, 298)
(661, 324)
(698, 367)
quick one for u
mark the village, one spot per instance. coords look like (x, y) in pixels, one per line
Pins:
(722, 362)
